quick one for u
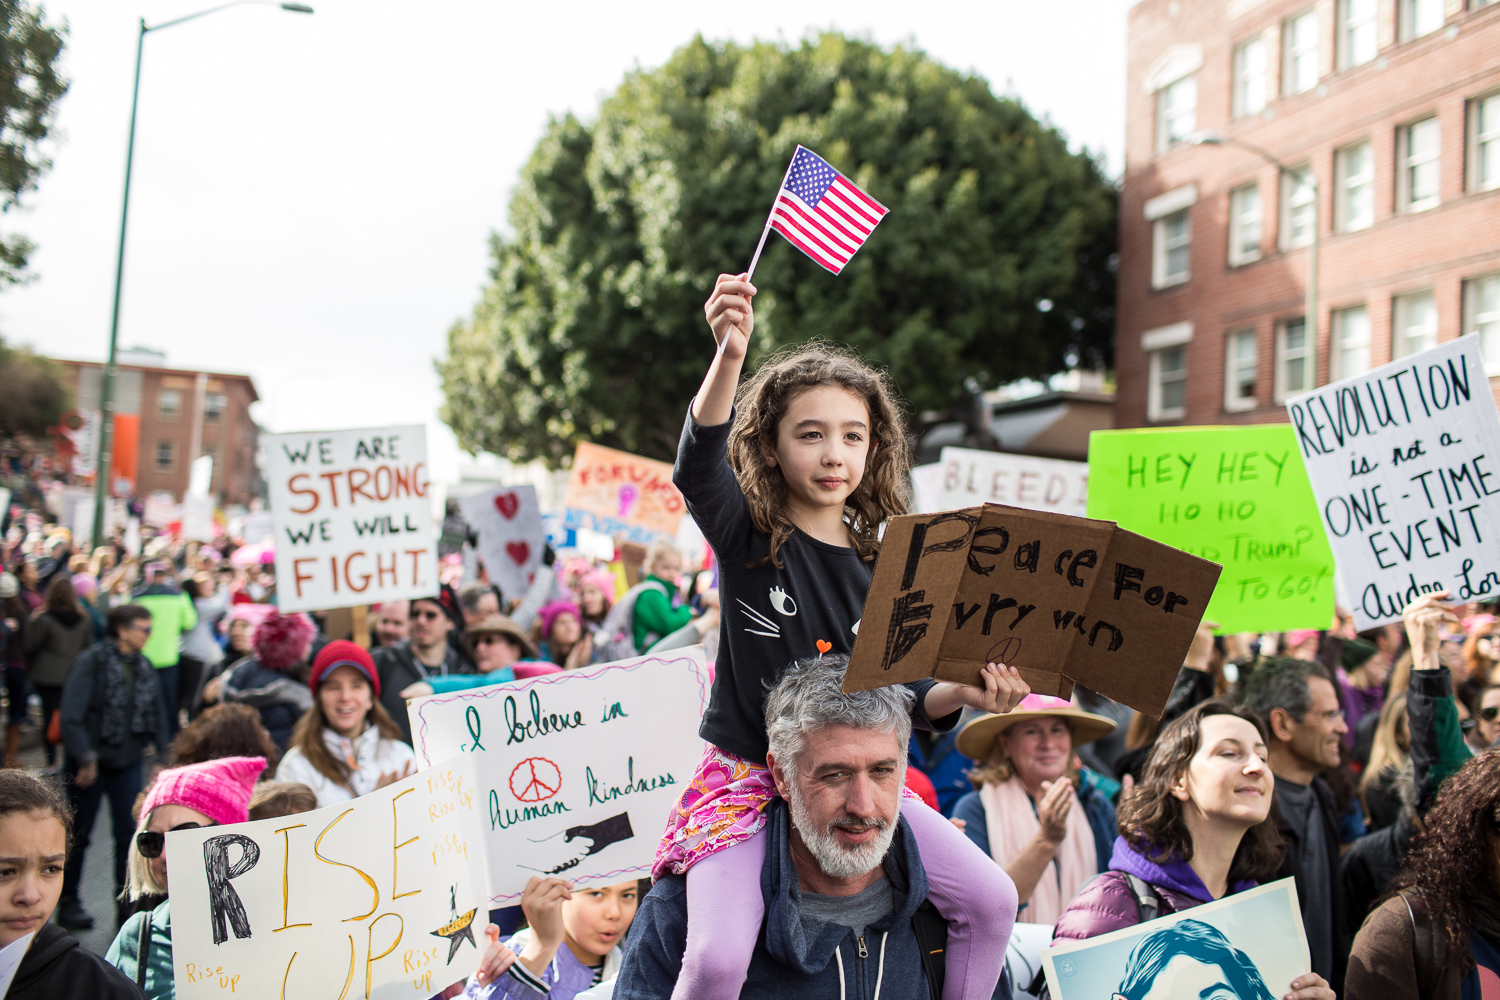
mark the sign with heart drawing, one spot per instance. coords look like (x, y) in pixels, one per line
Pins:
(508, 522)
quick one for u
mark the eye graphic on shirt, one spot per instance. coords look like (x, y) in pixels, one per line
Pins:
(783, 602)
(855, 627)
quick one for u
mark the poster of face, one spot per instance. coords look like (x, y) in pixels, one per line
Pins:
(1249, 946)
(578, 770)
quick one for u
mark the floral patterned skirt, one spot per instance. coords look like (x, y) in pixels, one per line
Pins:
(724, 804)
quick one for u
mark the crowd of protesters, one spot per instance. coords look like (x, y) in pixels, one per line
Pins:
(934, 815)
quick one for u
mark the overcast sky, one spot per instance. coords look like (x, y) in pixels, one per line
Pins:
(313, 194)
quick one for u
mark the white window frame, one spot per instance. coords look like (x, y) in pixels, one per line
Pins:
(1186, 89)
(1291, 202)
(1307, 352)
(1407, 163)
(1402, 325)
(1481, 139)
(1475, 320)
(1154, 409)
(1409, 18)
(215, 405)
(1234, 364)
(1251, 77)
(164, 411)
(1367, 27)
(1351, 332)
(1292, 55)
(169, 448)
(1348, 186)
(1241, 222)
(1162, 246)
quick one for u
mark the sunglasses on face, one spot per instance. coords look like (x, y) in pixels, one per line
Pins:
(1489, 714)
(150, 843)
(427, 615)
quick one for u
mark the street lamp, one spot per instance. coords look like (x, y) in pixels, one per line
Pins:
(107, 387)
(1311, 305)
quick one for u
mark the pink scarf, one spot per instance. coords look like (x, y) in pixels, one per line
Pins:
(1012, 824)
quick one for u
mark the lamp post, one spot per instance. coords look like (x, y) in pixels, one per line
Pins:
(1310, 307)
(107, 384)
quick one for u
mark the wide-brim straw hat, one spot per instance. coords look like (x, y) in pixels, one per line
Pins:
(500, 625)
(977, 739)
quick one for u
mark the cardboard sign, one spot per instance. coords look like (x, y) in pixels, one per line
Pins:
(577, 770)
(625, 496)
(1235, 495)
(511, 537)
(353, 522)
(971, 476)
(1253, 943)
(376, 897)
(1405, 463)
(1062, 598)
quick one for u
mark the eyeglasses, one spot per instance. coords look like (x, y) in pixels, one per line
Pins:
(151, 843)
(1489, 714)
(143, 629)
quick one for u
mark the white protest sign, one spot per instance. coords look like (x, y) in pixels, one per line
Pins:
(10, 960)
(511, 537)
(160, 510)
(375, 897)
(198, 518)
(926, 488)
(353, 522)
(256, 526)
(1401, 461)
(973, 477)
(578, 771)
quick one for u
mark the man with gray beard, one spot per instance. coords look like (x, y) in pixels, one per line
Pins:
(844, 888)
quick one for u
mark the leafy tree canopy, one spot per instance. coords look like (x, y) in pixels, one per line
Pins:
(30, 88)
(592, 325)
(33, 397)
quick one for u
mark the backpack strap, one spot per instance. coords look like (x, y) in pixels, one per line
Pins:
(1428, 943)
(1147, 902)
(143, 949)
(931, 931)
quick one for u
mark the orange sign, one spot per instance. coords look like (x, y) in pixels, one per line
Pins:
(125, 453)
(621, 494)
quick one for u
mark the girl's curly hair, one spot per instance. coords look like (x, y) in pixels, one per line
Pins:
(1451, 863)
(761, 402)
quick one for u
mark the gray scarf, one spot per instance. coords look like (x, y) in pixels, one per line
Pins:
(124, 715)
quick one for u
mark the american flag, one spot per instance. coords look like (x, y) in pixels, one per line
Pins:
(822, 213)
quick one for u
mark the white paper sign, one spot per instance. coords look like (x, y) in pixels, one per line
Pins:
(511, 537)
(353, 521)
(376, 897)
(160, 510)
(198, 518)
(1405, 464)
(256, 526)
(578, 770)
(973, 477)
(10, 960)
(927, 488)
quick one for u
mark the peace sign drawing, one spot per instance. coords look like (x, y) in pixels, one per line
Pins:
(535, 779)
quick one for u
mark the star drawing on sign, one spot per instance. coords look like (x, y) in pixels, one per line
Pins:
(459, 929)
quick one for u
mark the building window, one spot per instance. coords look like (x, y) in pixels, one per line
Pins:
(168, 403)
(1244, 224)
(1176, 112)
(1358, 38)
(1239, 370)
(166, 456)
(1250, 77)
(1482, 316)
(1418, 18)
(1294, 359)
(1167, 396)
(214, 405)
(1297, 202)
(1354, 199)
(1171, 243)
(1414, 324)
(1299, 53)
(1417, 149)
(1484, 143)
(1351, 337)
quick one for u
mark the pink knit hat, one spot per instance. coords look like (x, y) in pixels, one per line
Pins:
(219, 789)
(550, 613)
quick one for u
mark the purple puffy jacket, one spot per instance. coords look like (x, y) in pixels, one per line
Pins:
(1105, 905)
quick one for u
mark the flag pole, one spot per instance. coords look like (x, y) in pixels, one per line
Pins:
(766, 231)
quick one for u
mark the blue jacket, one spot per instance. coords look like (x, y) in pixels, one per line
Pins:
(1093, 794)
(791, 958)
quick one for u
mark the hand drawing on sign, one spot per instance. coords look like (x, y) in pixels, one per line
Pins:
(599, 836)
(459, 929)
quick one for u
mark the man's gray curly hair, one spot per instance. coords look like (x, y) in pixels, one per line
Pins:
(809, 697)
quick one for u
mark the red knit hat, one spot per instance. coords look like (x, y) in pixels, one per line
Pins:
(281, 641)
(220, 789)
(343, 653)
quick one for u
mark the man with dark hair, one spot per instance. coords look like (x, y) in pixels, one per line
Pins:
(428, 653)
(1300, 706)
(112, 708)
(481, 601)
(1217, 968)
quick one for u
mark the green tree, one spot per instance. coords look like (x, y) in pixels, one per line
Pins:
(33, 397)
(30, 88)
(591, 327)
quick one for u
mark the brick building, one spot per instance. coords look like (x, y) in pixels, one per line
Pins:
(174, 405)
(1394, 108)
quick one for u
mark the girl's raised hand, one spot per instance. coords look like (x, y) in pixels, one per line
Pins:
(1003, 689)
(731, 314)
(1424, 618)
(496, 960)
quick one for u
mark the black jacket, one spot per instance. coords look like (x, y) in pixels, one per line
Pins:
(57, 968)
(1291, 867)
(279, 697)
(399, 668)
(83, 711)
